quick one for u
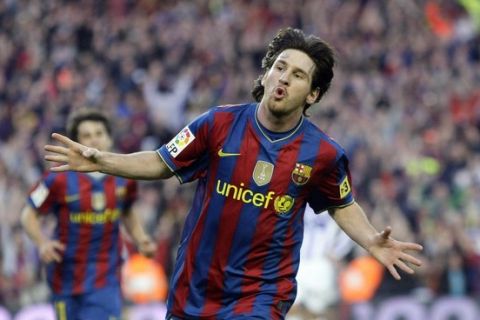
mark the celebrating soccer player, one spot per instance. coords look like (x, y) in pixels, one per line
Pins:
(257, 166)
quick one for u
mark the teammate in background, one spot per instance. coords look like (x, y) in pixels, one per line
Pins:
(257, 167)
(83, 258)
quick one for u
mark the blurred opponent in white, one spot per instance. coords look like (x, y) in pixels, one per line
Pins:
(324, 244)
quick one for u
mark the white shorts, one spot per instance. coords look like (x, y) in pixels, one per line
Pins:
(317, 284)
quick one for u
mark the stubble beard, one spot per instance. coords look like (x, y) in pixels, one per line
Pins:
(278, 108)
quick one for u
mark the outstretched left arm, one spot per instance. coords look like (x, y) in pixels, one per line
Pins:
(390, 252)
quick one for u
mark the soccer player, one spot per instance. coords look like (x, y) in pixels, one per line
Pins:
(257, 166)
(83, 258)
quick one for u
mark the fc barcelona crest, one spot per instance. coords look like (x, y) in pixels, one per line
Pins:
(262, 174)
(301, 174)
(98, 201)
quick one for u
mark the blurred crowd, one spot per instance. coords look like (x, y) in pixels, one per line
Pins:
(405, 104)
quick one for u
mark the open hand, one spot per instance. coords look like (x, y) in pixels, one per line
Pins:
(392, 253)
(72, 155)
(51, 250)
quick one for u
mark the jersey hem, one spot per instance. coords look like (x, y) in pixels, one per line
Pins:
(338, 207)
(169, 167)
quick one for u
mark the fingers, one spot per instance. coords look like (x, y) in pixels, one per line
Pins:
(52, 251)
(402, 265)
(60, 154)
(411, 246)
(62, 168)
(68, 144)
(56, 158)
(56, 257)
(386, 232)
(402, 262)
(394, 272)
(56, 149)
(47, 258)
(63, 139)
(58, 246)
(147, 248)
(411, 259)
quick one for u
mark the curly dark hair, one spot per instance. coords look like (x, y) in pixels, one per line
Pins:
(318, 50)
(85, 114)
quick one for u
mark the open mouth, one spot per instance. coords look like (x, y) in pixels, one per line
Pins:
(280, 92)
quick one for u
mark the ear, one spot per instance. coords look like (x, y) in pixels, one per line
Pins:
(313, 95)
(262, 81)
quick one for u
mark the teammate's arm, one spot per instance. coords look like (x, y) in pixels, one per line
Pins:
(49, 250)
(135, 230)
(390, 252)
(146, 165)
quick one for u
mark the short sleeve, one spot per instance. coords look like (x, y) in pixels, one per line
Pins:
(333, 189)
(186, 155)
(42, 196)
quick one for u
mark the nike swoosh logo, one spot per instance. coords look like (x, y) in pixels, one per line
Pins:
(227, 154)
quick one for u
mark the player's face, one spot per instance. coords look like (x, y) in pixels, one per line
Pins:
(94, 134)
(288, 83)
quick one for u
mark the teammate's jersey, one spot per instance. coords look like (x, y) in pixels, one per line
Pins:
(240, 246)
(88, 209)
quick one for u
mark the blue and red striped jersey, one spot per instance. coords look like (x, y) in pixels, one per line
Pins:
(87, 208)
(240, 246)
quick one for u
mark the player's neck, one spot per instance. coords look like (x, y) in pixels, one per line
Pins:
(277, 122)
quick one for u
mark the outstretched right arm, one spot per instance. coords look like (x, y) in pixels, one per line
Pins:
(145, 165)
